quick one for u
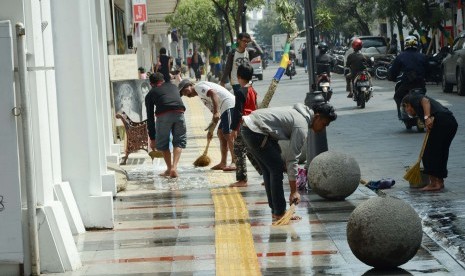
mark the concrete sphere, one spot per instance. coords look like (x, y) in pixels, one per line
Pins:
(384, 232)
(333, 175)
(284, 144)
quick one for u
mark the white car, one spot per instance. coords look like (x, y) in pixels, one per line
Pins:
(257, 67)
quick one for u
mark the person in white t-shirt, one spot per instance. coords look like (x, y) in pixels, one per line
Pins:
(221, 103)
(247, 49)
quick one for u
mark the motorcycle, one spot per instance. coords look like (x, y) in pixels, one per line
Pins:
(323, 84)
(362, 89)
(409, 121)
(381, 66)
(290, 69)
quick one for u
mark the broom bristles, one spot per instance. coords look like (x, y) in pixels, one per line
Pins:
(202, 161)
(286, 218)
(413, 175)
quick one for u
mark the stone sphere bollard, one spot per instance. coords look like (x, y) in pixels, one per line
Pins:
(384, 232)
(333, 175)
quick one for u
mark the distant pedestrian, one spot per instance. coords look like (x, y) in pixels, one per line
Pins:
(393, 45)
(164, 65)
(442, 127)
(169, 111)
(261, 131)
(242, 54)
(246, 102)
(196, 63)
(304, 56)
(221, 103)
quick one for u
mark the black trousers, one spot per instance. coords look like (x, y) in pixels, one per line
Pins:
(436, 152)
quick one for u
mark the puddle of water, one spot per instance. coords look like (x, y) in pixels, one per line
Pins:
(189, 177)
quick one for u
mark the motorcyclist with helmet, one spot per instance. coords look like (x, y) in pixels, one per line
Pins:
(357, 63)
(413, 65)
(324, 61)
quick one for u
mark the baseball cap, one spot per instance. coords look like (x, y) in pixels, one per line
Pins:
(183, 84)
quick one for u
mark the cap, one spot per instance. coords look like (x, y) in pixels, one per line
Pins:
(183, 84)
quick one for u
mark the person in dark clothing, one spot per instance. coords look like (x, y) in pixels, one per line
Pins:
(324, 62)
(393, 45)
(357, 63)
(164, 65)
(169, 111)
(442, 127)
(196, 63)
(413, 65)
(246, 102)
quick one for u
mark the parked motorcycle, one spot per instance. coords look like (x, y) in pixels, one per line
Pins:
(323, 84)
(290, 70)
(381, 66)
(361, 89)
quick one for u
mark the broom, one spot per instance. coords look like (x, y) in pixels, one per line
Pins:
(155, 154)
(413, 174)
(204, 160)
(286, 218)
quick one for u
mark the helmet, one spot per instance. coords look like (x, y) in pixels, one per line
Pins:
(357, 44)
(323, 47)
(411, 42)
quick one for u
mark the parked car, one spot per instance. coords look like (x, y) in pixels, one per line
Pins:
(453, 67)
(257, 67)
(373, 46)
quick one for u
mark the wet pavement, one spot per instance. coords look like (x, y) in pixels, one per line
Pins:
(197, 226)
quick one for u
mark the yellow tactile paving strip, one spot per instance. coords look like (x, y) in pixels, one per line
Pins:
(235, 250)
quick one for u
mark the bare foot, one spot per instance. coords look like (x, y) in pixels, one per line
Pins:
(165, 173)
(241, 183)
(174, 174)
(432, 187)
(218, 167)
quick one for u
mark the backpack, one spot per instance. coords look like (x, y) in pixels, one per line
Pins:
(250, 101)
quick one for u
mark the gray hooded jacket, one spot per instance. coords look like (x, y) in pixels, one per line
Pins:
(286, 123)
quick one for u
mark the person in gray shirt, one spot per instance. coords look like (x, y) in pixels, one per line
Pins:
(261, 131)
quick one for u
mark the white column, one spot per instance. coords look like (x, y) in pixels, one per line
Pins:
(47, 156)
(80, 108)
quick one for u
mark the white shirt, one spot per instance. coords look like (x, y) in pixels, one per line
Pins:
(239, 58)
(226, 98)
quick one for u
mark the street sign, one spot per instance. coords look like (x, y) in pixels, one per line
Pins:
(139, 11)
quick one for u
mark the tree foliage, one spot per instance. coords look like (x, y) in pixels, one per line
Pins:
(198, 20)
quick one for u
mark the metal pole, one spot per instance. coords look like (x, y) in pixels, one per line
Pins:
(244, 18)
(223, 56)
(316, 142)
(28, 142)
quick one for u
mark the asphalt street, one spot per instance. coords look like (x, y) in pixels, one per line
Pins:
(383, 147)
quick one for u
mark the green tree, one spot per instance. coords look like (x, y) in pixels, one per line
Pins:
(198, 20)
(267, 27)
(231, 10)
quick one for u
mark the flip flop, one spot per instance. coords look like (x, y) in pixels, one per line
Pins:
(217, 167)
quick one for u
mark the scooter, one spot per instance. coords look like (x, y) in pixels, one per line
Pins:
(323, 84)
(408, 120)
(290, 69)
(362, 89)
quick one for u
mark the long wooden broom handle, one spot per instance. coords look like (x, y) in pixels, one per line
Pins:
(424, 145)
(206, 148)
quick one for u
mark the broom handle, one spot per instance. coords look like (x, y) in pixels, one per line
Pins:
(206, 148)
(424, 145)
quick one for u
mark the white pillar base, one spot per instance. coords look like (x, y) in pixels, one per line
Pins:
(58, 252)
(113, 158)
(64, 194)
(104, 217)
(8, 269)
(115, 149)
(109, 182)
